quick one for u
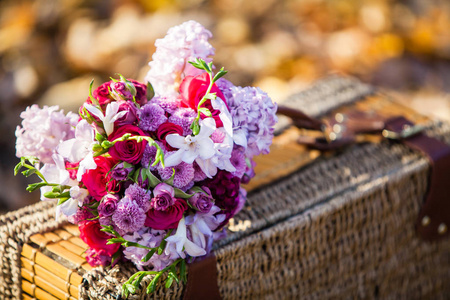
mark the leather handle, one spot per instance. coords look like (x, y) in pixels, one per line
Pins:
(202, 280)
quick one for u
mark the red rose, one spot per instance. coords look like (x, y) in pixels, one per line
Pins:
(164, 130)
(129, 151)
(90, 234)
(192, 90)
(167, 219)
(99, 181)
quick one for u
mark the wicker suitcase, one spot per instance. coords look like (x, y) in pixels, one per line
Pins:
(316, 224)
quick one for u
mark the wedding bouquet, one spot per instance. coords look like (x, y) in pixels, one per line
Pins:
(151, 172)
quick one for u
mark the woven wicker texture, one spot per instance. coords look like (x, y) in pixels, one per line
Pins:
(341, 227)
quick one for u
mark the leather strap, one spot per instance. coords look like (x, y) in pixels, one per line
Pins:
(202, 280)
(434, 217)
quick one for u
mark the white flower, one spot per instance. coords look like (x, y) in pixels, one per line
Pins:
(111, 115)
(70, 207)
(177, 242)
(79, 149)
(192, 147)
(55, 173)
(202, 225)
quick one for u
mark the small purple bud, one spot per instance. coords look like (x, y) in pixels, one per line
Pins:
(120, 172)
(120, 91)
(108, 205)
(201, 201)
(164, 197)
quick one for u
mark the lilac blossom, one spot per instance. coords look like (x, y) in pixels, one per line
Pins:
(140, 195)
(151, 116)
(150, 238)
(253, 115)
(129, 216)
(182, 43)
(42, 130)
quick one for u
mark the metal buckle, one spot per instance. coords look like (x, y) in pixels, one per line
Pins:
(407, 132)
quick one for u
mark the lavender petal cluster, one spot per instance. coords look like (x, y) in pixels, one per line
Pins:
(253, 111)
(151, 238)
(140, 195)
(182, 43)
(151, 116)
(43, 130)
(128, 216)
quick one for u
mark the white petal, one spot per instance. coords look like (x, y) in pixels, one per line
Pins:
(174, 159)
(111, 110)
(189, 156)
(240, 137)
(207, 127)
(69, 207)
(193, 250)
(176, 141)
(207, 166)
(94, 111)
(205, 148)
(65, 149)
(87, 163)
(84, 131)
(118, 116)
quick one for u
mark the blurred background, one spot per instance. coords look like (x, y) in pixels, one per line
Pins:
(51, 50)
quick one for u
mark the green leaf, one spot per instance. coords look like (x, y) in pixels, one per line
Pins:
(205, 111)
(99, 137)
(220, 74)
(180, 194)
(153, 180)
(183, 271)
(210, 96)
(17, 168)
(149, 255)
(34, 186)
(29, 172)
(62, 200)
(127, 165)
(170, 180)
(150, 91)
(116, 256)
(169, 282)
(152, 286)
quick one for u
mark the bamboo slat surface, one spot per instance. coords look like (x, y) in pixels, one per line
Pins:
(53, 263)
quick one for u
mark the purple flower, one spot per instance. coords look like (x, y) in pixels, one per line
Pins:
(131, 115)
(184, 117)
(202, 201)
(108, 205)
(129, 216)
(81, 215)
(169, 104)
(184, 173)
(151, 116)
(163, 197)
(238, 161)
(120, 172)
(148, 158)
(120, 91)
(139, 195)
(199, 175)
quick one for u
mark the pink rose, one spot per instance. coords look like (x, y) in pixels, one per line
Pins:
(166, 219)
(90, 234)
(130, 150)
(192, 90)
(166, 129)
(99, 181)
